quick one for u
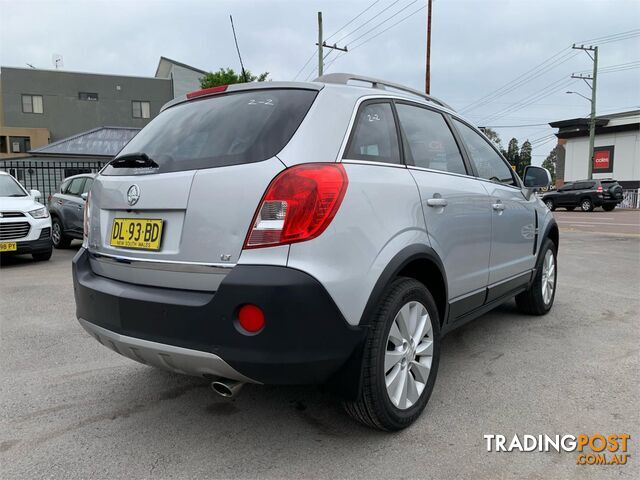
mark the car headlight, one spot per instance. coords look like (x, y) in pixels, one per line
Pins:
(39, 213)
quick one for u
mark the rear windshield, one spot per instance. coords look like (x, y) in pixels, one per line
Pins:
(231, 129)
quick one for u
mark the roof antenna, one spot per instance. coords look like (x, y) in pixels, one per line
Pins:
(244, 73)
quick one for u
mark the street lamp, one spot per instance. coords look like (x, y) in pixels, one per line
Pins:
(592, 128)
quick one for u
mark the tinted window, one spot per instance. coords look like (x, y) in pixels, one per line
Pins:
(87, 185)
(566, 187)
(229, 129)
(374, 137)
(487, 161)
(583, 185)
(430, 141)
(75, 187)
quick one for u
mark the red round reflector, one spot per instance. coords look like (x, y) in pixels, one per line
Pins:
(251, 318)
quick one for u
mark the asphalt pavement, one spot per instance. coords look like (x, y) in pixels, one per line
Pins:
(70, 408)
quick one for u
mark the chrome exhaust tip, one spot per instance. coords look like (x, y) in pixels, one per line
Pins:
(226, 388)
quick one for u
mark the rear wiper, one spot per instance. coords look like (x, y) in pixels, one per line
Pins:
(134, 160)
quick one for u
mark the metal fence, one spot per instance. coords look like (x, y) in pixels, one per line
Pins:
(46, 174)
(630, 199)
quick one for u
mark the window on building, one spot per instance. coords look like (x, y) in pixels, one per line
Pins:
(141, 109)
(20, 144)
(3, 145)
(32, 103)
(88, 96)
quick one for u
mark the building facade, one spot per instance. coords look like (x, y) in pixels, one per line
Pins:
(185, 78)
(616, 149)
(66, 103)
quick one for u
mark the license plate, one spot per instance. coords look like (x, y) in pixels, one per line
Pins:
(8, 246)
(144, 233)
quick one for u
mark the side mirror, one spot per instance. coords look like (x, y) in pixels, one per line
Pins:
(85, 195)
(35, 194)
(536, 177)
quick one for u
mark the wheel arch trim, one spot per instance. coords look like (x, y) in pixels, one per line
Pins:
(401, 259)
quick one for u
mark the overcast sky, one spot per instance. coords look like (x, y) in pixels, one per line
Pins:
(477, 47)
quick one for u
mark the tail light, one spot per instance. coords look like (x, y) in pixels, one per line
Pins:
(85, 221)
(600, 189)
(298, 205)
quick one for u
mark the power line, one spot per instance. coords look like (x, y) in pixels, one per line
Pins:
(376, 35)
(605, 37)
(384, 21)
(549, 64)
(557, 57)
(352, 20)
(368, 21)
(544, 92)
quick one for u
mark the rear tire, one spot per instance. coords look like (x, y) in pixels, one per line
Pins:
(550, 205)
(59, 239)
(608, 208)
(586, 205)
(537, 300)
(409, 367)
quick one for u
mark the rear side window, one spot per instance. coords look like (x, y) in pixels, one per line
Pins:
(230, 129)
(87, 185)
(489, 164)
(584, 186)
(374, 136)
(75, 187)
(431, 143)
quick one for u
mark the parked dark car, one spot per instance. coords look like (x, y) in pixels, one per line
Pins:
(586, 195)
(67, 209)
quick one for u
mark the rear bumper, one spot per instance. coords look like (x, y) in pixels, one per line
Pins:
(306, 340)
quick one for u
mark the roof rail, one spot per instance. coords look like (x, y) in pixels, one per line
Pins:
(344, 78)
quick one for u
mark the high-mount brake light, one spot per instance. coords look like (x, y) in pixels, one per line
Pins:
(298, 205)
(207, 91)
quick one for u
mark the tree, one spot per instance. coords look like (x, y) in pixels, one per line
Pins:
(550, 163)
(493, 136)
(525, 158)
(512, 153)
(227, 76)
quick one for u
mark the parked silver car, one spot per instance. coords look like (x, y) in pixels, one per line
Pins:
(305, 233)
(67, 209)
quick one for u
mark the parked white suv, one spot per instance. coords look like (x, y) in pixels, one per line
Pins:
(25, 225)
(305, 233)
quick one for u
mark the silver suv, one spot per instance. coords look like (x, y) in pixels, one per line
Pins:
(310, 233)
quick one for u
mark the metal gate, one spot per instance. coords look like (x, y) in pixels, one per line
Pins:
(46, 175)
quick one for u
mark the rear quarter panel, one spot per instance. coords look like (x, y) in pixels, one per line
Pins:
(380, 215)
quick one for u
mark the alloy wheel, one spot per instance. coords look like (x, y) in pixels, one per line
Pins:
(56, 233)
(409, 355)
(548, 277)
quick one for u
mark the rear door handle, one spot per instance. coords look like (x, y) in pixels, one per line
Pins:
(498, 207)
(437, 202)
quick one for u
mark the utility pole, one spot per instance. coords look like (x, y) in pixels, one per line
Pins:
(320, 49)
(322, 45)
(594, 79)
(427, 80)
